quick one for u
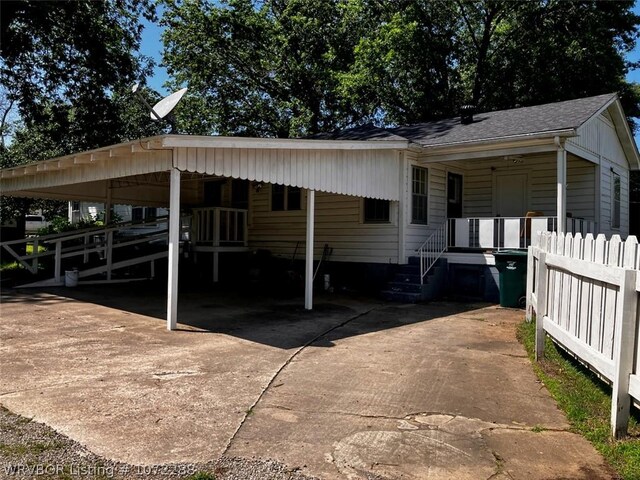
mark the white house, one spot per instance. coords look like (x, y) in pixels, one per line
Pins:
(78, 210)
(457, 189)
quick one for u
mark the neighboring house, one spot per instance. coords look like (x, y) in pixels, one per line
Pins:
(34, 222)
(79, 210)
(374, 196)
(123, 213)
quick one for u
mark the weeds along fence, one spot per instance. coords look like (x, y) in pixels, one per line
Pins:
(584, 293)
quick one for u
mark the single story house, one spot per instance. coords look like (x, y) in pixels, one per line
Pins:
(377, 198)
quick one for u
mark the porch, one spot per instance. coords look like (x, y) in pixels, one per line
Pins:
(496, 233)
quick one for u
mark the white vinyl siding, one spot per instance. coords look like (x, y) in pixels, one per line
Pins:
(478, 195)
(607, 195)
(598, 140)
(338, 223)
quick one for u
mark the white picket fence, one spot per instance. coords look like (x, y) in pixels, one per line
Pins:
(585, 293)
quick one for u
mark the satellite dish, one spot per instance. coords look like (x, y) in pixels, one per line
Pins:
(163, 108)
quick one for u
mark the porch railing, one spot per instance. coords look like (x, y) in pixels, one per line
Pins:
(220, 226)
(508, 232)
(432, 249)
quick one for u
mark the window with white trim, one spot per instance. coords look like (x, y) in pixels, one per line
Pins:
(285, 197)
(376, 211)
(615, 200)
(419, 195)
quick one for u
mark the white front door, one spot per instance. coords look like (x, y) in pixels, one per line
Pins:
(511, 195)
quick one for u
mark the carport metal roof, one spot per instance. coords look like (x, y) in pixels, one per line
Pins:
(138, 171)
(362, 168)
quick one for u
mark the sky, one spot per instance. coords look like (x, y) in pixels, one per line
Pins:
(152, 46)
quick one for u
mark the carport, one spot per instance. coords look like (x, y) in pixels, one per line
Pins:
(160, 171)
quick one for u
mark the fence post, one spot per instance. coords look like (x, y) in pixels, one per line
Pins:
(85, 255)
(35, 252)
(624, 342)
(530, 284)
(109, 253)
(541, 307)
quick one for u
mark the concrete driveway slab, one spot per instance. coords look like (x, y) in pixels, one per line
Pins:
(354, 389)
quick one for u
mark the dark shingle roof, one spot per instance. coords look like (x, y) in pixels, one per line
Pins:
(500, 124)
(362, 132)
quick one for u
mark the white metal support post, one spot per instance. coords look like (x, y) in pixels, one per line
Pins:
(216, 244)
(562, 187)
(174, 249)
(308, 284)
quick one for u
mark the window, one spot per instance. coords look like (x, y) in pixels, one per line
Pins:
(284, 197)
(376, 211)
(75, 206)
(615, 201)
(137, 214)
(419, 195)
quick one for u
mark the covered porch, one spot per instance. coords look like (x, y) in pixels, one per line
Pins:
(502, 201)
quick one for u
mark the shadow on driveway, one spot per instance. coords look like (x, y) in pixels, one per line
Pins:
(277, 322)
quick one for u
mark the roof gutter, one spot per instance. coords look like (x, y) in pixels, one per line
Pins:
(177, 141)
(551, 135)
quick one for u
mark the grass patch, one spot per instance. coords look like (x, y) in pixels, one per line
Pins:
(14, 265)
(202, 476)
(586, 401)
(32, 448)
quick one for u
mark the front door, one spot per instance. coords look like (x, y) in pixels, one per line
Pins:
(511, 195)
(454, 195)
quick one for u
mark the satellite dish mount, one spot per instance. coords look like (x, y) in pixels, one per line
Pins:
(162, 109)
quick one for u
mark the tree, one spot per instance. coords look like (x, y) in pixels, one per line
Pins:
(534, 52)
(265, 69)
(72, 54)
(293, 67)
(403, 68)
(66, 71)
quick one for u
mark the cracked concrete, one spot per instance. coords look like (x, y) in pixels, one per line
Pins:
(354, 389)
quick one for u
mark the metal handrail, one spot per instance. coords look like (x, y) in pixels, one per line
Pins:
(432, 249)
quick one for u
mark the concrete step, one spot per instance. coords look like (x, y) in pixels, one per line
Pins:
(406, 278)
(412, 269)
(405, 287)
(406, 297)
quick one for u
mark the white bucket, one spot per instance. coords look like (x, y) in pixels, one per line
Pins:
(71, 278)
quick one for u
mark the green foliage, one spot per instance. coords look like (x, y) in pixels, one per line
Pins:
(269, 69)
(100, 218)
(287, 68)
(62, 224)
(71, 55)
(66, 69)
(574, 49)
(586, 401)
(202, 476)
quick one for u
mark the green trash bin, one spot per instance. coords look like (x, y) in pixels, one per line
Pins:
(512, 265)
